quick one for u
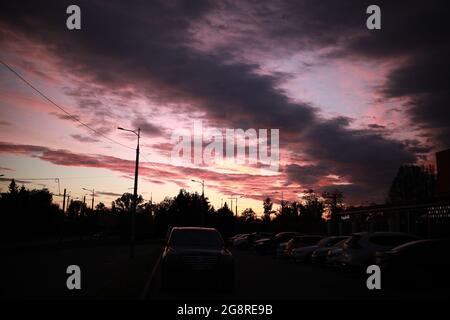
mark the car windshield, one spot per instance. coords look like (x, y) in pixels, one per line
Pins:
(196, 238)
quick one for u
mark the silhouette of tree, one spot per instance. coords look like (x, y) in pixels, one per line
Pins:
(225, 210)
(267, 205)
(125, 201)
(27, 213)
(248, 215)
(412, 184)
(13, 188)
(225, 221)
(311, 213)
(76, 208)
(100, 207)
(334, 202)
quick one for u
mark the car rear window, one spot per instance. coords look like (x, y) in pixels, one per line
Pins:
(196, 238)
(391, 240)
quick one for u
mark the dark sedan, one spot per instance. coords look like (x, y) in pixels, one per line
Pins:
(422, 262)
(198, 256)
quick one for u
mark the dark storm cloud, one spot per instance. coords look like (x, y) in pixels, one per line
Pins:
(82, 138)
(107, 193)
(412, 31)
(147, 128)
(424, 81)
(306, 175)
(376, 126)
(148, 46)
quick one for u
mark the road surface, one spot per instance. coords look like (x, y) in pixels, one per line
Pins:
(263, 277)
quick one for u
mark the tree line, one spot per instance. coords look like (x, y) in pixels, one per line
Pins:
(28, 214)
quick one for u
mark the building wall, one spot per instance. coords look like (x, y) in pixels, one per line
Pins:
(443, 172)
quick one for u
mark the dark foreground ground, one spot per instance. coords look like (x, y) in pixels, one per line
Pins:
(263, 277)
(109, 273)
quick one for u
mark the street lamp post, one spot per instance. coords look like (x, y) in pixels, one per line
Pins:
(93, 194)
(203, 186)
(231, 206)
(133, 210)
(237, 202)
(203, 197)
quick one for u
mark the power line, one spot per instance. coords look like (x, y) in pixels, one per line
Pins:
(61, 108)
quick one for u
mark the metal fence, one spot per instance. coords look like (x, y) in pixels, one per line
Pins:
(427, 220)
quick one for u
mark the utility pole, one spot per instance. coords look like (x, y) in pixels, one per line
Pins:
(64, 201)
(236, 204)
(231, 207)
(92, 206)
(133, 210)
(133, 214)
(93, 196)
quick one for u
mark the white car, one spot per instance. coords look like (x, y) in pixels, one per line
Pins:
(359, 250)
(304, 253)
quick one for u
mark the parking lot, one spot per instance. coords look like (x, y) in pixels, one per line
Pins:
(264, 277)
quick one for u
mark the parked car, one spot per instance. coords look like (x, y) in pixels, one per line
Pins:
(359, 250)
(305, 253)
(270, 245)
(333, 256)
(230, 240)
(198, 254)
(241, 240)
(248, 240)
(319, 255)
(281, 249)
(299, 242)
(425, 261)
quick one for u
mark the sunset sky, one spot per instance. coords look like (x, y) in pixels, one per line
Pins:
(351, 104)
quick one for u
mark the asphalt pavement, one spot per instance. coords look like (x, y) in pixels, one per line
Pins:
(262, 277)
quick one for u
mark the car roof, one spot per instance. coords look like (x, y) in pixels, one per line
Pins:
(383, 233)
(310, 236)
(419, 242)
(194, 228)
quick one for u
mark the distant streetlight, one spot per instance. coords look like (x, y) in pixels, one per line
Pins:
(236, 204)
(133, 211)
(203, 186)
(93, 194)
